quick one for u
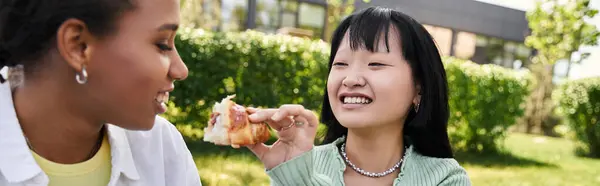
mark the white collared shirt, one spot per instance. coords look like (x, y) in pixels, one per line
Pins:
(139, 158)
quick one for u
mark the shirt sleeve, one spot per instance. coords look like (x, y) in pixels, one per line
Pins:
(192, 176)
(298, 171)
(457, 177)
(180, 167)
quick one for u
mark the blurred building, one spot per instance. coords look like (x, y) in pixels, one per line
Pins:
(468, 29)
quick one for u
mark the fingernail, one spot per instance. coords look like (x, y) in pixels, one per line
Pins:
(276, 117)
(252, 116)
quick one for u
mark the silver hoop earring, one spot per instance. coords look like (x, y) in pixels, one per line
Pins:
(82, 79)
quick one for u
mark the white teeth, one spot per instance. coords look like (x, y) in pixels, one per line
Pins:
(162, 98)
(165, 98)
(357, 100)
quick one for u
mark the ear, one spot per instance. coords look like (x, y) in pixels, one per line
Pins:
(73, 40)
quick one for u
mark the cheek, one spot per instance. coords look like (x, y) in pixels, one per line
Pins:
(131, 68)
(129, 74)
(333, 85)
(396, 88)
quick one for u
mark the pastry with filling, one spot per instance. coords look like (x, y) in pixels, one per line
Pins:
(229, 125)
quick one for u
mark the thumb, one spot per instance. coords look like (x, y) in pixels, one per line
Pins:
(259, 149)
(251, 110)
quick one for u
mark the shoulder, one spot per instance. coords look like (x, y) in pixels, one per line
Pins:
(327, 154)
(162, 142)
(329, 148)
(160, 152)
(441, 171)
(426, 162)
(163, 135)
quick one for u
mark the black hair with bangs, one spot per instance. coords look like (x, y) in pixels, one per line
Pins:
(426, 129)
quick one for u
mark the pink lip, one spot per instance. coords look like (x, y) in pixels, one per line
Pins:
(168, 89)
(353, 106)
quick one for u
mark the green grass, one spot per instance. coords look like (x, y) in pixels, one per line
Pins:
(225, 166)
(533, 160)
(528, 160)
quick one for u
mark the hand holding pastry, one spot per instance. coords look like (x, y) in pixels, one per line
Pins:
(229, 125)
(296, 128)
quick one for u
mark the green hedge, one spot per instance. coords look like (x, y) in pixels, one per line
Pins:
(262, 70)
(485, 100)
(269, 70)
(579, 102)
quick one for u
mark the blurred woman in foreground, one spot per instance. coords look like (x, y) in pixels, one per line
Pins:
(96, 73)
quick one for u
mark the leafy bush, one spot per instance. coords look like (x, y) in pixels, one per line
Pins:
(579, 102)
(262, 70)
(485, 100)
(269, 70)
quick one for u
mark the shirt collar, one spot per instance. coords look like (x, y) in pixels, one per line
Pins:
(122, 158)
(407, 155)
(17, 164)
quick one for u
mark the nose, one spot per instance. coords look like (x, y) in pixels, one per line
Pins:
(353, 81)
(178, 70)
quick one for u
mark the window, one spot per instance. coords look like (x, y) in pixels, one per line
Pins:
(465, 45)
(233, 15)
(488, 50)
(442, 37)
(501, 52)
(509, 54)
(312, 17)
(288, 14)
(203, 14)
(300, 16)
(288, 19)
(517, 54)
(215, 15)
(522, 53)
(267, 15)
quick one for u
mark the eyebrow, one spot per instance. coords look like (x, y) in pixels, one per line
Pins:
(164, 27)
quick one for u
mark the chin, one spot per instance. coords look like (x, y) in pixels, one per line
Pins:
(144, 124)
(355, 120)
(355, 125)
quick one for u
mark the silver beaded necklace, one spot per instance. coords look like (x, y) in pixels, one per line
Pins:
(370, 174)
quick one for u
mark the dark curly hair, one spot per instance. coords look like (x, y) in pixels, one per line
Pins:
(27, 27)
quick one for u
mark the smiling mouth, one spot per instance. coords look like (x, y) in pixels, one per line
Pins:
(162, 97)
(160, 102)
(355, 100)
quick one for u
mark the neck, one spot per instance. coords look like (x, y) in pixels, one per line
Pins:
(383, 142)
(55, 129)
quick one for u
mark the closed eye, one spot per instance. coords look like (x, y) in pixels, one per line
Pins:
(377, 64)
(339, 64)
(164, 47)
